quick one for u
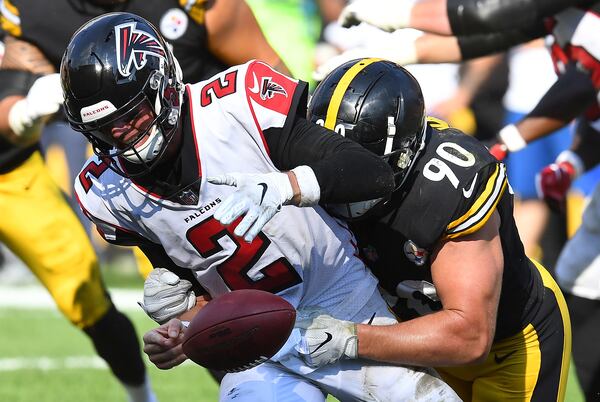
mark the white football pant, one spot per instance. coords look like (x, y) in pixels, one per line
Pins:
(347, 380)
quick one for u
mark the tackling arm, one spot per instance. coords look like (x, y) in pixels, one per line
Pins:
(454, 17)
(468, 275)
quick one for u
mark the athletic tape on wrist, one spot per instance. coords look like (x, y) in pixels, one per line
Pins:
(310, 191)
(511, 137)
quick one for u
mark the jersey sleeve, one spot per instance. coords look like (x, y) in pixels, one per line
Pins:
(488, 186)
(88, 189)
(10, 19)
(274, 98)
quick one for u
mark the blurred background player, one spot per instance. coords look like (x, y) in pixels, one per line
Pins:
(454, 17)
(40, 227)
(206, 35)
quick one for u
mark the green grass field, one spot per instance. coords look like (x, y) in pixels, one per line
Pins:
(41, 343)
(53, 361)
(43, 358)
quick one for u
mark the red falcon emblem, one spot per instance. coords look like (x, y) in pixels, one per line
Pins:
(133, 46)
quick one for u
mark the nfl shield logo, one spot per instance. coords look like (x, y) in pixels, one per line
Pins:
(414, 253)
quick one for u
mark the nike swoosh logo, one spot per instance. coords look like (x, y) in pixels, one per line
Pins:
(469, 192)
(255, 88)
(500, 359)
(372, 318)
(264, 191)
(327, 339)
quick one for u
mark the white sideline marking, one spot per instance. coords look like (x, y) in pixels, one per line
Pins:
(45, 363)
(37, 297)
(52, 363)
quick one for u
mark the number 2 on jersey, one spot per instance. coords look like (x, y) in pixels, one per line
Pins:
(436, 169)
(218, 88)
(274, 277)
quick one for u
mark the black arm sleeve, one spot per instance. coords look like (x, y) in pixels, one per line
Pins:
(473, 46)
(569, 97)
(470, 17)
(346, 171)
(16, 82)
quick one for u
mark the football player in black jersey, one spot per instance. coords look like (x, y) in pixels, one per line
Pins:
(206, 36)
(445, 246)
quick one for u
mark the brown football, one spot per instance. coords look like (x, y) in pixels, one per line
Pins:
(239, 330)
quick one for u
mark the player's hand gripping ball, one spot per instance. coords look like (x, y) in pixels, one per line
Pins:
(239, 330)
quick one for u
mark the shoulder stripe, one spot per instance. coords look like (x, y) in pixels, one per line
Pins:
(483, 207)
(340, 90)
(196, 9)
(10, 20)
(438, 124)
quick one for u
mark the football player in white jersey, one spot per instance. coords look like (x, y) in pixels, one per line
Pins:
(164, 149)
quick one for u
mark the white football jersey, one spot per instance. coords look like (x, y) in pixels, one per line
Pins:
(302, 254)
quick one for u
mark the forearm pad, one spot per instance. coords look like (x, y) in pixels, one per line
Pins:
(473, 46)
(469, 17)
(16, 82)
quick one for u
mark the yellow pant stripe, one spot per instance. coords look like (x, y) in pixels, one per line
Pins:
(564, 311)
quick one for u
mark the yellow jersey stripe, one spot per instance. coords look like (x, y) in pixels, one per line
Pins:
(483, 208)
(196, 9)
(437, 123)
(489, 187)
(10, 20)
(551, 284)
(340, 90)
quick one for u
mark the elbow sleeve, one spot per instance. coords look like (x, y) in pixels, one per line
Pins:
(468, 17)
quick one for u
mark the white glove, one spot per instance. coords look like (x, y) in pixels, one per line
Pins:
(399, 47)
(385, 14)
(259, 196)
(43, 99)
(326, 339)
(166, 295)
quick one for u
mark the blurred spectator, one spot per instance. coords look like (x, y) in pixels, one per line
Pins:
(531, 75)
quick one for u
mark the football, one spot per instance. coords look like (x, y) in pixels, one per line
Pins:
(239, 330)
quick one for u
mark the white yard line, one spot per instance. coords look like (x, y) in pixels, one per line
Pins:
(45, 363)
(37, 297)
(52, 363)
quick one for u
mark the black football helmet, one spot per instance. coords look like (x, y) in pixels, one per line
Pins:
(123, 89)
(378, 104)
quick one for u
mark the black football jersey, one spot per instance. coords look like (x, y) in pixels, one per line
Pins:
(50, 24)
(452, 190)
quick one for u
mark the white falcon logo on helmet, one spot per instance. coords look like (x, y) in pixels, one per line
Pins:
(133, 45)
